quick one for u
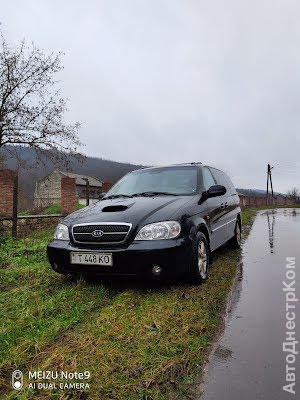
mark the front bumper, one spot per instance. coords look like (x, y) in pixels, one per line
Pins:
(136, 260)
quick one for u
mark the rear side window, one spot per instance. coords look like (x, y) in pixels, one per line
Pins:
(230, 186)
(223, 179)
(208, 179)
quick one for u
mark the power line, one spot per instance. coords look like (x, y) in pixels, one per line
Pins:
(289, 167)
(285, 172)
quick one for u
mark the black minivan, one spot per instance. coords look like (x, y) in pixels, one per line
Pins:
(156, 221)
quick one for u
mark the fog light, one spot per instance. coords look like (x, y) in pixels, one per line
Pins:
(156, 270)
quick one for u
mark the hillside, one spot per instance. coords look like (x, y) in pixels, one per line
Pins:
(255, 192)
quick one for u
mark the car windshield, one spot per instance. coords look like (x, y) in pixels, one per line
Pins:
(157, 181)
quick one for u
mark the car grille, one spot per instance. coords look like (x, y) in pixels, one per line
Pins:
(100, 233)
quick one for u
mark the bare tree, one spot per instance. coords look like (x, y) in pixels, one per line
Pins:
(294, 194)
(31, 110)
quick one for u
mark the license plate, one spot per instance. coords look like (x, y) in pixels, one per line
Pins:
(92, 258)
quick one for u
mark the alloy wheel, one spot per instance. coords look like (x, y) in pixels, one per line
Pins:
(202, 259)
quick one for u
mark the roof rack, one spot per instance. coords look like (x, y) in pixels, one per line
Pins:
(189, 163)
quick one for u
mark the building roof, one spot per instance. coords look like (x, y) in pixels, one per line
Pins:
(81, 179)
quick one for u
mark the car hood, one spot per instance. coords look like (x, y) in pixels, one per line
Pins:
(137, 211)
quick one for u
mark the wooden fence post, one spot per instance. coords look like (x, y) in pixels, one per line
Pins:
(87, 192)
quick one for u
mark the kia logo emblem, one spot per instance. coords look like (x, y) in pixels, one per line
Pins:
(97, 233)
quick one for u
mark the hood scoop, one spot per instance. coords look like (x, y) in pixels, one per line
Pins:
(116, 208)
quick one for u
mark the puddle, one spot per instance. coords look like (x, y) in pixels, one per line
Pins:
(248, 362)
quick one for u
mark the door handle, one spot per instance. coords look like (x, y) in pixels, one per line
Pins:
(226, 204)
(222, 205)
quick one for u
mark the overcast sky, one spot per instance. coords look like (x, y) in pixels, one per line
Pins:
(166, 81)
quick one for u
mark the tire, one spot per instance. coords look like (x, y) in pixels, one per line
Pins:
(200, 259)
(236, 240)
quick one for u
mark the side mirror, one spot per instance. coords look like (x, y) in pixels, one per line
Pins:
(216, 190)
(101, 195)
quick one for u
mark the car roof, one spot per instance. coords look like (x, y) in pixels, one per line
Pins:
(191, 164)
(187, 165)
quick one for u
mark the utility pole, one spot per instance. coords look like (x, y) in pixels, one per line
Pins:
(271, 186)
(87, 191)
(269, 177)
(267, 195)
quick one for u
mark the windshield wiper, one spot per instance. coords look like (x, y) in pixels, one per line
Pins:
(150, 194)
(116, 196)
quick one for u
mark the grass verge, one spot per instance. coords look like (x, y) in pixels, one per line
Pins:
(51, 210)
(137, 342)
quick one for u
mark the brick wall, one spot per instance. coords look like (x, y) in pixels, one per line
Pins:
(7, 178)
(257, 201)
(68, 195)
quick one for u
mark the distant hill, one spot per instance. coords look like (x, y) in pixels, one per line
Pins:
(105, 170)
(254, 192)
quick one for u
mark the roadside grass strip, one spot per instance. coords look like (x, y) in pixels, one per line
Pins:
(137, 342)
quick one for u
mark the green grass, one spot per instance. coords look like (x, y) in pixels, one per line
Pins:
(24, 213)
(53, 209)
(137, 342)
(248, 215)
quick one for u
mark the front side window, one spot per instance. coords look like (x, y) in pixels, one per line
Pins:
(177, 181)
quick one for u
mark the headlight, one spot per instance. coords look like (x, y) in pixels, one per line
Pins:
(61, 232)
(159, 230)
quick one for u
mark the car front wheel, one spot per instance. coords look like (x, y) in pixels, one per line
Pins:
(200, 259)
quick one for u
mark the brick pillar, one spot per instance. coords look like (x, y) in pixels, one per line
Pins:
(68, 195)
(106, 186)
(7, 178)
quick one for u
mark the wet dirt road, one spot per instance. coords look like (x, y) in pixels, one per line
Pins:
(248, 362)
